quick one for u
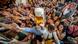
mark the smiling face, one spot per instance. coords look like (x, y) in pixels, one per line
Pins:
(50, 21)
(61, 27)
(57, 23)
(55, 18)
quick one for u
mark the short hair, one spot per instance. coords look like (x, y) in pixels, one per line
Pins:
(51, 27)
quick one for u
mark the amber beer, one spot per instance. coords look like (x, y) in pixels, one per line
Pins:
(39, 19)
(39, 15)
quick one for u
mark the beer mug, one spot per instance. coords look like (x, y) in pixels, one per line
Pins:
(39, 15)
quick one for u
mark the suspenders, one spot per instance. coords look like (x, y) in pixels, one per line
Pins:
(51, 37)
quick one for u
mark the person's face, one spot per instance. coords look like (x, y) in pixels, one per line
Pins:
(50, 31)
(55, 18)
(61, 27)
(57, 23)
(50, 21)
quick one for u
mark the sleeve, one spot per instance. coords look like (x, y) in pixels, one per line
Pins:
(45, 34)
(2, 29)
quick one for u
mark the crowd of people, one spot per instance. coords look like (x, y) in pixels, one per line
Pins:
(20, 25)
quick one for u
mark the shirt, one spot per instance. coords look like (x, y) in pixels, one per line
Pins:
(66, 11)
(47, 34)
(36, 31)
(51, 35)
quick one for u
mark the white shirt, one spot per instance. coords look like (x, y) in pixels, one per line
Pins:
(50, 35)
(47, 34)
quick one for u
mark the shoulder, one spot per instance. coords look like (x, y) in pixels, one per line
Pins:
(45, 31)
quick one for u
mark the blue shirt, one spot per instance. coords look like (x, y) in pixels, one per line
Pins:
(36, 31)
(32, 30)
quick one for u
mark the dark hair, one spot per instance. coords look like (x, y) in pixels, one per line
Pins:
(77, 8)
(61, 23)
(76, 23)
(51, 27)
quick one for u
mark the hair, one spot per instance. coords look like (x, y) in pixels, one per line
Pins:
(57, 21)
(77, 8)
(50, 27)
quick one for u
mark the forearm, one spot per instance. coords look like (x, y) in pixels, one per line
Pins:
(4, 25)
(2, 29)
(56, 38)
(59, 35)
